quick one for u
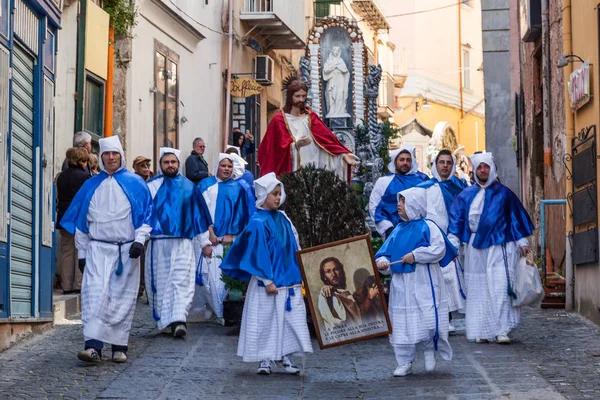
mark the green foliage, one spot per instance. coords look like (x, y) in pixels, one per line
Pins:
(323, 208)
(376, 243)
(123, 15)
(236, 288)
(389, 132)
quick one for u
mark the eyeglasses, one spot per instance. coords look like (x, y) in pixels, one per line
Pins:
(202, 147)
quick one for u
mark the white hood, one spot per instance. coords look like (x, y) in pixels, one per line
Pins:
(413, 153)
(265, 185)
(169, 150)
(239, 164)
(415, 202)
(488, 159)
(223, 156)
(435, 172)
(111, 143)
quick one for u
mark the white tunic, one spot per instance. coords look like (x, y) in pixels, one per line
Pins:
(453, 279)
(213, 292)
(170, 268)
(412, 308)
(108, 300)
(312, 153)
(268, 330)
(489, 310)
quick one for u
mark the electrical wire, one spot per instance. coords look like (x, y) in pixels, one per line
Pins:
(419, 12)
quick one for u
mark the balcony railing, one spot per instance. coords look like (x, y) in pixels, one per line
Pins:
(280, 22)
(385, 101)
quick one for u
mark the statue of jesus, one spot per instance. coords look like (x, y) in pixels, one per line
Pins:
(297, 137)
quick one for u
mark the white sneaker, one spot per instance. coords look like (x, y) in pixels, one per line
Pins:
(264, 368)
(207, 314)
(429, 356)
(451, 328)
(89, 355)
(502, 338)
(403, 370)
(119, 357)
(180, 331)
(288, 365)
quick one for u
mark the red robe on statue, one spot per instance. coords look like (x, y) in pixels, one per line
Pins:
(275, 151)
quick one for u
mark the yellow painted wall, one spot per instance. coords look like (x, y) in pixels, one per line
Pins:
(96, 40)
(584, 24)
(470, 129)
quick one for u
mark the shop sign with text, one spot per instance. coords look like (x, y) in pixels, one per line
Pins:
(579, 86)
(245, 87)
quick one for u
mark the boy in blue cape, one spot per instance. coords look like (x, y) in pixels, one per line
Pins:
(274, 320)
(413, 254)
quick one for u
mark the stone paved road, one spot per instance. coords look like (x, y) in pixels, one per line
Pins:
(555, 355)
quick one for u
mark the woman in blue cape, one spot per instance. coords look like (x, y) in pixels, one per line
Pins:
(413, 254)
(274, 321)
(228, 204)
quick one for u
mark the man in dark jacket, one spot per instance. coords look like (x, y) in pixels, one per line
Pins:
(196, 167)
(68, 183)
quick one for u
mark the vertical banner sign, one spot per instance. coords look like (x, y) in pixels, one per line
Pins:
(579, 86)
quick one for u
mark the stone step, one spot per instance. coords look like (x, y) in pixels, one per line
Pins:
(66, 306)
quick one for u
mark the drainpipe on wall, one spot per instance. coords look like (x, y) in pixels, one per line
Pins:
(80, 69)
(108, 97)
(546, 84)
(569, 132)
(460, 67)
(229, 62)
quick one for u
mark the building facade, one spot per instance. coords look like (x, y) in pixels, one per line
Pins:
(438, 71)
(28, 45)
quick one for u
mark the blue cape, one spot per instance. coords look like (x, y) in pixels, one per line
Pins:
(135, 189)
(267, 249)
(408, 236)
(450, 189)
(180, 209)
(503, 220)
(233, 211)
(387, 210)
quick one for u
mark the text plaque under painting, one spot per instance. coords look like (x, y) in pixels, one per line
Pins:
(585, 207)
(585, 247)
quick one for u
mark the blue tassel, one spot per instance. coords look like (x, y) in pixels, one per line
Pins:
(119, 270)
(436, 337)
(199, 280)
(288, 301)
(155, 315)
(462, 293)
(153, 284)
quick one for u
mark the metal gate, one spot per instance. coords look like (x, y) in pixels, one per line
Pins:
(21, 187)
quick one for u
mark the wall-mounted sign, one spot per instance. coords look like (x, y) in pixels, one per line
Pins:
(244, 87)
(579, 86)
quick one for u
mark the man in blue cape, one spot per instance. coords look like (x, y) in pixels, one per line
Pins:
(182, 214)
(111, 217)
(403, 174)
(441, 191)
(493, 224)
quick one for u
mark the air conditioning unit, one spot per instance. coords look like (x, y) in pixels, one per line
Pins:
(263, 70)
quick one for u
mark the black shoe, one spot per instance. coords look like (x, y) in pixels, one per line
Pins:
(180, 330)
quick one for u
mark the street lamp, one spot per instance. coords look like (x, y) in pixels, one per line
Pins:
(565, 59)
(423, 104)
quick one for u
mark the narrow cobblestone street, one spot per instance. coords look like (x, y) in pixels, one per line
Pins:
(554, 355)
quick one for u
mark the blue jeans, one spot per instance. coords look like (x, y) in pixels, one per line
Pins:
(98, 345)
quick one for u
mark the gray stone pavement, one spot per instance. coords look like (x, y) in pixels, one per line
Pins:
(554, 355)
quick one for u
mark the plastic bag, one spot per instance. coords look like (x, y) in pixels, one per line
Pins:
(528, 285)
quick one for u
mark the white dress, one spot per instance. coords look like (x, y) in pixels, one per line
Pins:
(171, 268)
(453, 276)
(412, 309)
(107, 300)
(312, 153)
(489, 310)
